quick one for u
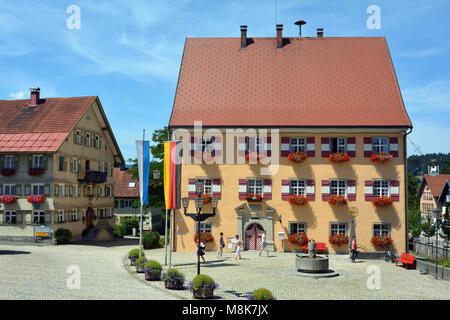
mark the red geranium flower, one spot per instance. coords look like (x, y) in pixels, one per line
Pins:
(380, 157)
(299, 200)
(297, 156)
(380, 202)
(36, 198)
(339, 157)
(336, 200)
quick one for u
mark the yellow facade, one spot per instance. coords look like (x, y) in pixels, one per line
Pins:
(317, 214)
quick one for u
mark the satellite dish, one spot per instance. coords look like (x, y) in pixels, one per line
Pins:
(353, 212)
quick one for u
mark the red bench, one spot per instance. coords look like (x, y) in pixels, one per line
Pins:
(406, 259)
(320, 246)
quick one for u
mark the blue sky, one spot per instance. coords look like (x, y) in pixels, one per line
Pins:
(129, 52)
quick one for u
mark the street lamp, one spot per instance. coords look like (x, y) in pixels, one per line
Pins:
(437, 213)
(198, 216)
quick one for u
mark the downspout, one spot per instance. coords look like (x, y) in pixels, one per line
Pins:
(405, 159)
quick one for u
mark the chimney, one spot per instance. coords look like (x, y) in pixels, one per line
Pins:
(243, 37)
(319, 32)
(279, 36)
(34, 100)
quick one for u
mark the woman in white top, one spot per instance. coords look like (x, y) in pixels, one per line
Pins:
(263, 244)
(238, 248)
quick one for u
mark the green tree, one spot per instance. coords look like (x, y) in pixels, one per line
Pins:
(428, 227)
(445, 167)
(415, 222)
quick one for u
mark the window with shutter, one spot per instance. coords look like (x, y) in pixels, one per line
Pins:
(325, 189)
(267, 190)
(311, 147)
(285, 189)
(216, 189)
(310, 189)
(285, 146)
(242, 189)
(367, 147)
(325, 146)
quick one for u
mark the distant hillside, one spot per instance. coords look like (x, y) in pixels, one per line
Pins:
(418, 165)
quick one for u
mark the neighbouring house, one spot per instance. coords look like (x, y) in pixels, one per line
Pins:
(291, 127)
(56, 162)
(126, 195)
(126, 201)
(431, 190)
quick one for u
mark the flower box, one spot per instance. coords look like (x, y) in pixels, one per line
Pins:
(152, 274)
(36, 171)
(253, 197)
(337, 200)
(381, 157)
(8, 199)
(205, 156)
(339, 157)
(7, 172)
(338, 239)
(206, 198)
(173, 279)
(297, 157)
(382, 241)
(381, 202)
(298, 238)
(36, 198)
(254, 156)
(298, 200)
(204, 237)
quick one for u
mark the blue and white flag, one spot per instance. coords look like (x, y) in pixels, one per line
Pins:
(143, 156)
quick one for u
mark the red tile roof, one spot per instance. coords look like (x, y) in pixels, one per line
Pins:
(309, 82)
(436, 183)
(40, 128)
(121, 189)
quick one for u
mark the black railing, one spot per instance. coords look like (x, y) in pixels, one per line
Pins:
(93, 177)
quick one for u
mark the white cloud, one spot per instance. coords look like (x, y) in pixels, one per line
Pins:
(419, 53)
(17, 95)
(432, 98)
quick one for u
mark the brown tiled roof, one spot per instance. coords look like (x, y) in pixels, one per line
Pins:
(436, 183)
(309, 82)
(39, 128)
(121, 180)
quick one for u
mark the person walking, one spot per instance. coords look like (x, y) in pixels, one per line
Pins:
(201, 251)
(221, 246)
(354, 249)
(238, 248)
(263, 244)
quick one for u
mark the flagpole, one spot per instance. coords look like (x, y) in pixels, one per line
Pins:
(141, 222)
(170, 236)
(165, 242)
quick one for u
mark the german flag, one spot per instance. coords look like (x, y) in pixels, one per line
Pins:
(172, 174)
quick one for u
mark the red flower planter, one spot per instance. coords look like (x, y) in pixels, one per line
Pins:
(8, 172)
(254, 156)
(204, 237)
(36, 171)
(298, 200)
(338, 239)
(337, 200)
(382, 241)
(380, 157)
(298, 238)
(253, 197)
(36, 198)
(381, 202)
(8, 199)
(339, 157)
(297, 157)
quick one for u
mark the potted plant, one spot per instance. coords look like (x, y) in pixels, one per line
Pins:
(7, 172)
(299, 200)
(337, 200)
(254, 156)
(173, 279)
(381, 157)
(297, 157)
(8, 199)
(140, 263)
(133, 255)
(298, 238)
(202, 286)
(381, 202)
(205, 156)
(36, 171)
(382, 241)
(338, 239)
(36, 198)
(204, 237)
(206, 198)
(339, 157)
(253, 197)
(261, 294)
(152, 270)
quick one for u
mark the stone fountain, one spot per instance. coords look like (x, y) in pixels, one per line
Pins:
(313, 266)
